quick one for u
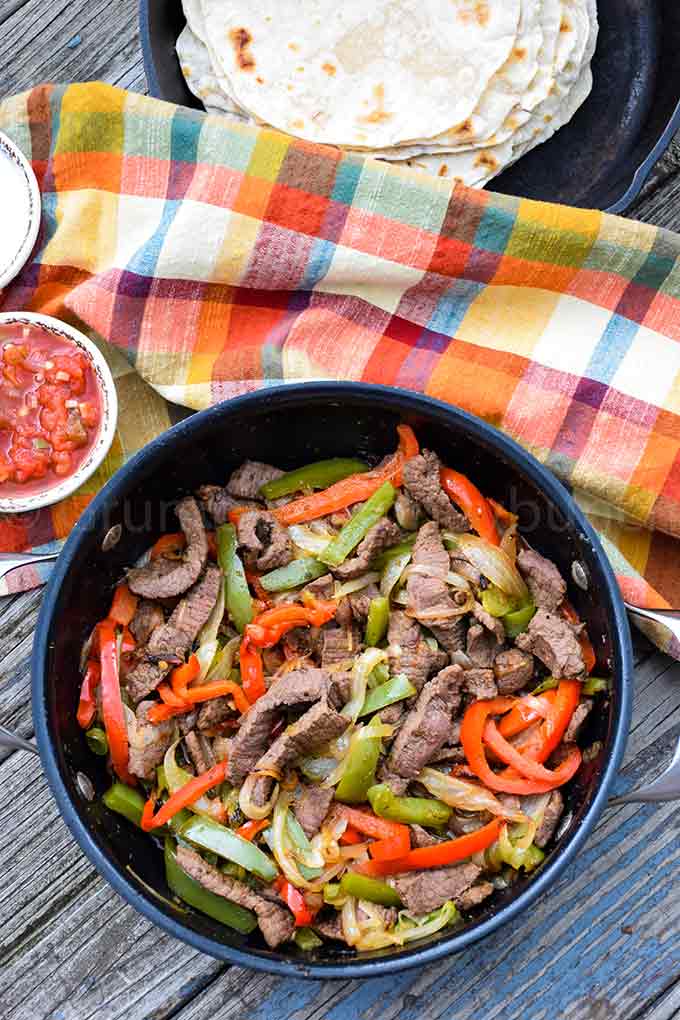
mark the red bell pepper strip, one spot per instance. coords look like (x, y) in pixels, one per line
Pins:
(295, 901)
(159, 713)
(218, 689)
(390, 849)
(87, 705)
(124, 606)
(186, 795)
(566, 700)
(529, 767)
(261, 593)
(268, 628)
(506, 517)
(353, 489)
(250, 829)
(524, 713)
(467, 496)
(168, 697)
(181, 677)
(471, 737)
(587, 650)
(168, 545)
(436, 856)
(350, 837)
(128, 643)
(393, 838)
(252, 671)
(112, 703)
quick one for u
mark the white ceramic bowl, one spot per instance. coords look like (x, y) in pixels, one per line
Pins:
(21, 201)
(109, 398)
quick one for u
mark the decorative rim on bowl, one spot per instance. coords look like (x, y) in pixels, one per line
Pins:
(107, 429)
(18, 259)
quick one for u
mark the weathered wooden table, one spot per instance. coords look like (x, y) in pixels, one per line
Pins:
(603, 945)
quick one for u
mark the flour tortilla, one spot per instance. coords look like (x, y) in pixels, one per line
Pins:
(356, 74)
(196, 66)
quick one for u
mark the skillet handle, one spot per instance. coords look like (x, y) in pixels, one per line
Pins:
(16, 743)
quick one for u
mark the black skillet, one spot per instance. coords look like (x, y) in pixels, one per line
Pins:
(600, 159)
(292, 425)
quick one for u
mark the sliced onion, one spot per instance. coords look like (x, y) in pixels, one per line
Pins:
(211, 627)
(492, 562)
(224, 661)
(356, 584)
(458, 793)
(177, 777)
(364, 664)
(280, 843)
(308, 540)
(350, 923)
(400, 598)
(256, 812)
(534, 806)
(393, 571)
(445, 915)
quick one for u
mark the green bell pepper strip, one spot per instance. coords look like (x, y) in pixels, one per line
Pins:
(319, 475)
(296, 573)
(359, 774)
(125, 801)
(371, 889)
(378, 619)
(212, 836)
(396, 689)
(380, 674)
(331, 892)
(192, 892)
(339, 548)
(306, 940)
(238, 598)
(549, 684)
(496, 602)
(595, 685)
(409, 810)
(518, 620)
(96, 741)
(381, 561)
(298, 838)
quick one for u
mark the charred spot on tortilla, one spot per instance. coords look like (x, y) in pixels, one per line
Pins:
(519, 53)
(564, 25)
(241, 40)
(380, 113)
(488, 160)
(443, 170)
(293, 46)
(329, 68)
(479, 13)
(465, 128)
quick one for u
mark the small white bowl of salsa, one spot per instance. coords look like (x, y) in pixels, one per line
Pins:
(58, 410)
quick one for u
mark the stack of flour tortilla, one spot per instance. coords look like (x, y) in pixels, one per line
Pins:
(459, 88)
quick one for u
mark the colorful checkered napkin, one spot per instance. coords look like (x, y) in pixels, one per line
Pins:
(217, 259)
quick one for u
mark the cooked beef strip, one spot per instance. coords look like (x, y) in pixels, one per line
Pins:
(482, 646)
(420, 837)
(428, 596)
(407, 511)
(187, 722)
(144, 678)
(551, 817)
(581, 713)
(311, 807)
(453, 753)
(408, 651)
(305, 641)
(473, 896)
(428, 725)
(265, 542)
(513, 670)
(200, 752)
(146, 580)
(343, 614)
(148, 616)
(382, 535)
(213, 713)
(424, 891)
(546, 584)
(320, 724)
(320, 587)
(276, 921)
(217, 502)
(489, 622)
(480, 683)
(340, 644)
(552, 640)
(147, 743)
(245, 482)
(300, 687)
(392, 714)
(459, 565)
(360, 602)
(330, 927)
(421, 480)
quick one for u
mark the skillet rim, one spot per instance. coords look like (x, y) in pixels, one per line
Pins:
(402, 401)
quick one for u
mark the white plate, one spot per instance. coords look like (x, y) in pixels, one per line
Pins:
(19, 210)
(107, 388)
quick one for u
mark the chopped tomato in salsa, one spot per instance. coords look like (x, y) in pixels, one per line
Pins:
(50, 408)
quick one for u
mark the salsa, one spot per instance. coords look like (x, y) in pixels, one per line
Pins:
(50, 408)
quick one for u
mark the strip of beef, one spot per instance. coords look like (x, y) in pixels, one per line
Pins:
(147, 743)
(473, 896)
(320, 587)
(480, 683)
(420, 837)
(424, 891)
(339, 644)
(407, 511)
(392, 715)
(246, 481)
(265, 542)
(276, 921)
(581, 713)
(172, 640)
(187, 722)
(331, 927)
(305, 641)
(427, 727)
(300, 687)
(148, 616)
(427, 592)
(213, 713)
(217, 502)
(552, 640)
(200, 751)
(311, 807)
(513, 670)
(546, 584)
(151, 583)
(421, 480)
(360, 602)
(382, 535)
(485, 639)
(551, 816)
(409, 652)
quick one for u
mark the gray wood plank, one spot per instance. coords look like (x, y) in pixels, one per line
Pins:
(18, 615)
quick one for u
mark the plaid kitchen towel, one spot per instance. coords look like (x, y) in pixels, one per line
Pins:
(218, 259)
